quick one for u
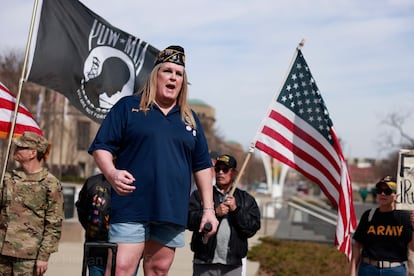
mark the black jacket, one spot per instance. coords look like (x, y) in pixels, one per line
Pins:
(244, 223)
(93, 206)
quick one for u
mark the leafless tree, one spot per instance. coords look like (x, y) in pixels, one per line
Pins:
(398, 135)
(395, 136)
(11, 65)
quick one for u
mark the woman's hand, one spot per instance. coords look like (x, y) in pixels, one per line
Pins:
(121, 181)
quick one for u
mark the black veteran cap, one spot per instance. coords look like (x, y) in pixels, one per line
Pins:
(227, 160)
(173, 53)
(32, 140)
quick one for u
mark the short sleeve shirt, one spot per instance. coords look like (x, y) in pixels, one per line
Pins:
(386, 236)
(161, 152)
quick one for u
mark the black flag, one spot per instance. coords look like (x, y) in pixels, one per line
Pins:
(82, 56)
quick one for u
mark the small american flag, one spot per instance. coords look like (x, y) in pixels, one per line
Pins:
(298, 131)
(25, 120)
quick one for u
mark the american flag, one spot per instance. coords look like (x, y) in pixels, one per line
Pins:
(25, 120)
(298, 131)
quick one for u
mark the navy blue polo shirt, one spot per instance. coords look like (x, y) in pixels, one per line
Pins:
(161, 152)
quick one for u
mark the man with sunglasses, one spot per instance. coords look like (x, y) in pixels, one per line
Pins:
(383, 235)
(239, 219)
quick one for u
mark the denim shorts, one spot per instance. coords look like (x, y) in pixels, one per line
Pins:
(167, 234)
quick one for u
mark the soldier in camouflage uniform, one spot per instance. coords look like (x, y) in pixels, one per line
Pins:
(31, 210)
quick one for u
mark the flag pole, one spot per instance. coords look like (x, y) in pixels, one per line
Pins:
(252, 146)
(239, 175)
(19, 92)
(298, 48)
(301, 44)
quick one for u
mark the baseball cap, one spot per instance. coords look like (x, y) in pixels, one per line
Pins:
(389, 181)
(227, 160)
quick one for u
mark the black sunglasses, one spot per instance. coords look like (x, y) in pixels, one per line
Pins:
(218, 169)
(22, 148)
(386, 191)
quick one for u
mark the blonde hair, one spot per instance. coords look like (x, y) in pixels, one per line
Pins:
(148, 97)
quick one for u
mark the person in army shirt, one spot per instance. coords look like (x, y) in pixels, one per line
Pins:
(383, 236)
(31, 210)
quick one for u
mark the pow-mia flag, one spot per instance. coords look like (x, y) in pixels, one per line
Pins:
(82, 56)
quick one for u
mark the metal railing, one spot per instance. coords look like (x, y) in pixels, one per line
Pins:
(299, 219)
(313, 210)
(278, 203)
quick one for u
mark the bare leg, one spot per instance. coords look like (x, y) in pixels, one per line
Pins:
(157, 258)
(127, 259)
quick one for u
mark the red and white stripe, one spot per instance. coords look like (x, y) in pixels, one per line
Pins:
(25, 120)
(293, 141)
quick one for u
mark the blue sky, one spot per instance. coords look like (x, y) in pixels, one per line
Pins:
(361, 54)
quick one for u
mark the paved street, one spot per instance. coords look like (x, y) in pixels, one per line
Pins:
(68, 260)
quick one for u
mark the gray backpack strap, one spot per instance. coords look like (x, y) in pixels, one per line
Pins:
(371, 213)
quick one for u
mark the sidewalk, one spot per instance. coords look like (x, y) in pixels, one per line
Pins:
(68, 260)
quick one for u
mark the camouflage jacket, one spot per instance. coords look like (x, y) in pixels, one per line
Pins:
(31, 215)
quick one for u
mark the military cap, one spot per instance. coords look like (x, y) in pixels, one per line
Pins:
(173, 53)
(32, 140)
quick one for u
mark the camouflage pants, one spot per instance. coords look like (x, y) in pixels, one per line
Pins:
(16, 266)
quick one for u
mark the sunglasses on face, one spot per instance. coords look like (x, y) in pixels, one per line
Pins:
(386, 191)
(21, 148)
(218, 169)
